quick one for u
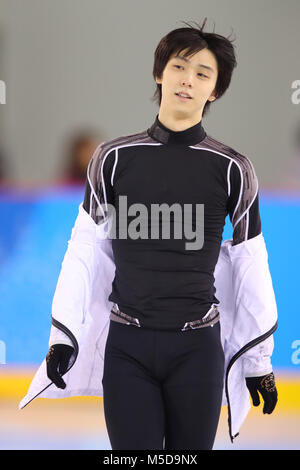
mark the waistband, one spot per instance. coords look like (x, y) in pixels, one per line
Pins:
(209, 319)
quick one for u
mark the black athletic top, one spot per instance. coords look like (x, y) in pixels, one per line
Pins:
(158, 280)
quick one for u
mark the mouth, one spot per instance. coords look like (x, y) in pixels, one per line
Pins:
(183, 97)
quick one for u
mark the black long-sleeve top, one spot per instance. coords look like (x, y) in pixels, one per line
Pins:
(158, 280)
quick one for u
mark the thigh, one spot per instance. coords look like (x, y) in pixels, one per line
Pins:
(193, 393)
(133, 403)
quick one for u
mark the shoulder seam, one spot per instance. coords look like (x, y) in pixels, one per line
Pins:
(223, 147)
(130, 138)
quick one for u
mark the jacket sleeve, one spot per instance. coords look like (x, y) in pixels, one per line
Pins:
(257, 361)
(255, 299)
(58, 337)
(78, 265)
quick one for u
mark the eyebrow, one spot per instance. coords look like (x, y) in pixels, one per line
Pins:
(199, 65)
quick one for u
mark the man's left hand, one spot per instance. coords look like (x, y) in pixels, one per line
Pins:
(265, 385)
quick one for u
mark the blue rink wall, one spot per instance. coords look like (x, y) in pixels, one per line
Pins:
(34, 231)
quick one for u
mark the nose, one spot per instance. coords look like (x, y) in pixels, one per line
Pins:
(186, 78)
(186, 82)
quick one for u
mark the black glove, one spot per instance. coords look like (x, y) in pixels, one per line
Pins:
(265, 385)
(58, 358)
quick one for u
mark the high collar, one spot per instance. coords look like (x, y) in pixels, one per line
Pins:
(190, 136)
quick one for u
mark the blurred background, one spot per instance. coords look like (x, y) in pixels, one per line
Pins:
(75, 73)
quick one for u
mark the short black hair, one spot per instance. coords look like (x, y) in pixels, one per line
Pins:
(194, 39)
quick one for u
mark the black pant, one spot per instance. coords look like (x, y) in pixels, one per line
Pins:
(162, 384)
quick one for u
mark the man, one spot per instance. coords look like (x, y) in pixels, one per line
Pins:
(164, 364)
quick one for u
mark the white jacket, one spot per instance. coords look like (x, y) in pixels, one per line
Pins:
(81, 309)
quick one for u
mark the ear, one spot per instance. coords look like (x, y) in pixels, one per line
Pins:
(211, 98)
(158, 80)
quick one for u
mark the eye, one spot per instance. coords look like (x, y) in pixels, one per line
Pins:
(201, 74)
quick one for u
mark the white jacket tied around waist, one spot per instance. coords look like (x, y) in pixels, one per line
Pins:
(81, 310)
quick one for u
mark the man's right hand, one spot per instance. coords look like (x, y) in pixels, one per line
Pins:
(57, 361)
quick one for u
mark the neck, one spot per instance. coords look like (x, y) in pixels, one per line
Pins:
(188, 136)
(178, 122)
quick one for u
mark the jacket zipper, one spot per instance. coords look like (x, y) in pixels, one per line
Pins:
(63, 328)
(245, 348)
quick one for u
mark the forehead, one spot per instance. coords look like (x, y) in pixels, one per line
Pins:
(203, 57)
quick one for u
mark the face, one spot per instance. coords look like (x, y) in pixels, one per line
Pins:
(196, 75)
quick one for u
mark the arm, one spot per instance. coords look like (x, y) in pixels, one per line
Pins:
(98, 186)
(243, 201)
(93, 197)
(243, 209)
(72, 294)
